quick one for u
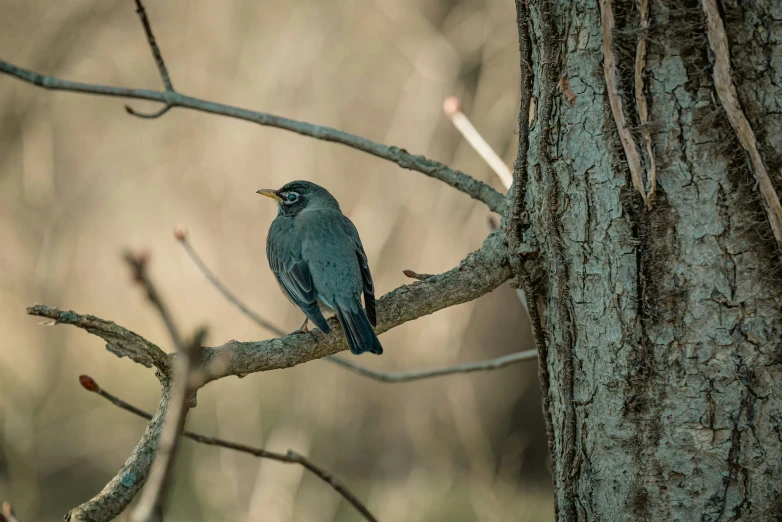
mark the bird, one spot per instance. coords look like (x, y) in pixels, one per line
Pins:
(316, 255)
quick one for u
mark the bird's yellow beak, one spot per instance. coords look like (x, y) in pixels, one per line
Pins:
(270, 194)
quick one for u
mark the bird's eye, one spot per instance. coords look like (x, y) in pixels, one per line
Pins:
(291, 197)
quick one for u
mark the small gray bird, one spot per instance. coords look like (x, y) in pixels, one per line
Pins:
(318, 260)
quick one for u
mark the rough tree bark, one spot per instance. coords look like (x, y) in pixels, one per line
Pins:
(658, 326)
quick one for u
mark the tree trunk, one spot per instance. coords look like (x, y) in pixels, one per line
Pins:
(658, 326)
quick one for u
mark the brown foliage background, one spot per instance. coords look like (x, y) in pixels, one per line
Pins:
(80, 181)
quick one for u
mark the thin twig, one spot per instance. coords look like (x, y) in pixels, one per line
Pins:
(147, 115)
(151, 504)
(726, 91)
(181, 236)
(156, 54)
(291, 457)
(477, 366)
(7, 513)
(456, 179)
(452, 109)
(153, 496)
(416, 275)
(138, 265)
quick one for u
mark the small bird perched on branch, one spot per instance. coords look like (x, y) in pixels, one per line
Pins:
(319, 262)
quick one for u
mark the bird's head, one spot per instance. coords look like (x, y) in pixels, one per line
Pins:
(297, 196)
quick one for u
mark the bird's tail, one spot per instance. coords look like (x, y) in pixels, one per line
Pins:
(359, 333)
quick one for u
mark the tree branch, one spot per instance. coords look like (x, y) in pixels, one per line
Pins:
(453, 110)
(156, 54)
(7, 513)
(456, 179)
(138, 266)
(477, 366)
(181, 236)
(119, 492)
(291, 457)
(415, 275)
(491, 364)
(479, 273)
(151, 504)
(120, 341)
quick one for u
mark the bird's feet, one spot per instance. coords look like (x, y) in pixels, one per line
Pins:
(303, 328)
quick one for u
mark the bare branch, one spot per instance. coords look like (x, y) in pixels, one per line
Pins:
(456, 179)
(291, 457)
(138, 265)
(181, 236)
(150, 505)
(479, 273)
(7, 513)
(120, 341)
(119, 492)
(161, 65)
(452, 108)
(147, 116)
(492, 364)
(477, 366)
(726, 91)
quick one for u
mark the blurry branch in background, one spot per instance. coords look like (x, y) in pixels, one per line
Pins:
(490, 364)
(181, 235)
(291, 457)
(171, 98)
(452, 108)
(161, 65)
(138, 266)
(478, 366)
(7, 513)
(151, 505)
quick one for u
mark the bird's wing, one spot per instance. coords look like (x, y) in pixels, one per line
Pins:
(366, 275)
(283, 251)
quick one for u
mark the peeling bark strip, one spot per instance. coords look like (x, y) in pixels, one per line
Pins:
(640, 99)
(726, 91)
(612, 89)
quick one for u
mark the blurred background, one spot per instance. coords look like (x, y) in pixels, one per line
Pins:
(80, 181)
